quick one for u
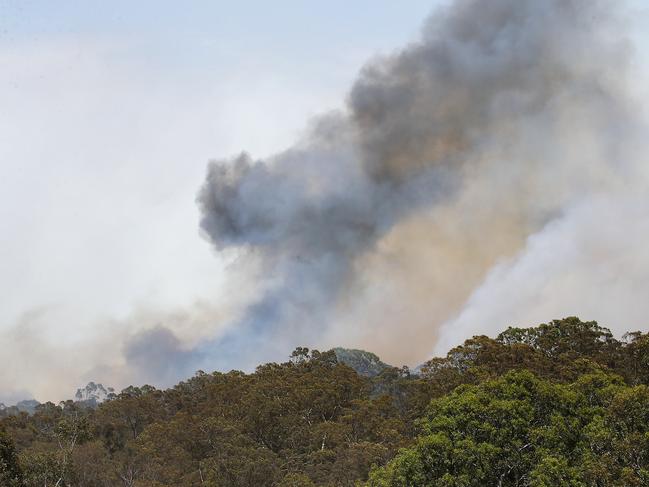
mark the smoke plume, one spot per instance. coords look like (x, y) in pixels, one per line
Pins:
(388, 222)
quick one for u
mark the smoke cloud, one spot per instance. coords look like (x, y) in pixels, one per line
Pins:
(592, 261)
(388, 225)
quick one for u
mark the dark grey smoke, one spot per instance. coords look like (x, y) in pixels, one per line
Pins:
(482, 132)
(157, 356)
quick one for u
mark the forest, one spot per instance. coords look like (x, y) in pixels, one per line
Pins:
(561, 404)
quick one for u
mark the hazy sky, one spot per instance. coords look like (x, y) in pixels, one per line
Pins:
(109, 112)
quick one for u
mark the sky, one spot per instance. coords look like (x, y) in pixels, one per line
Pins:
(109, 113)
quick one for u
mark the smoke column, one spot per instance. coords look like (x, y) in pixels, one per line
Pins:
(441, 202)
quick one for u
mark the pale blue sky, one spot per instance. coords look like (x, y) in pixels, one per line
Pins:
(288, 29)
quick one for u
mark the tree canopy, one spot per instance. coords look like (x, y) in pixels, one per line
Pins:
(561, 404)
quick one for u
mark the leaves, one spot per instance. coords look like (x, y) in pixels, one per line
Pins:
(522, 430)
(561, 404)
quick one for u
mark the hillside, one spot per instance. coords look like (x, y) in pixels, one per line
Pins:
(364, 363)
(563, 403)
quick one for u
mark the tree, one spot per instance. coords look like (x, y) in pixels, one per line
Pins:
(10, 472)
(64, 427)
(522, 430)
(561, 404)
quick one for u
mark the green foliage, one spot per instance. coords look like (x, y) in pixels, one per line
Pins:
(10, 473)
(521, 430)
(562, 404)
(555, 471)
(364, 363)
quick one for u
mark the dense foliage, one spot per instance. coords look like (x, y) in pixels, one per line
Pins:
(562, 404)
(521, 430)
(365, 363)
